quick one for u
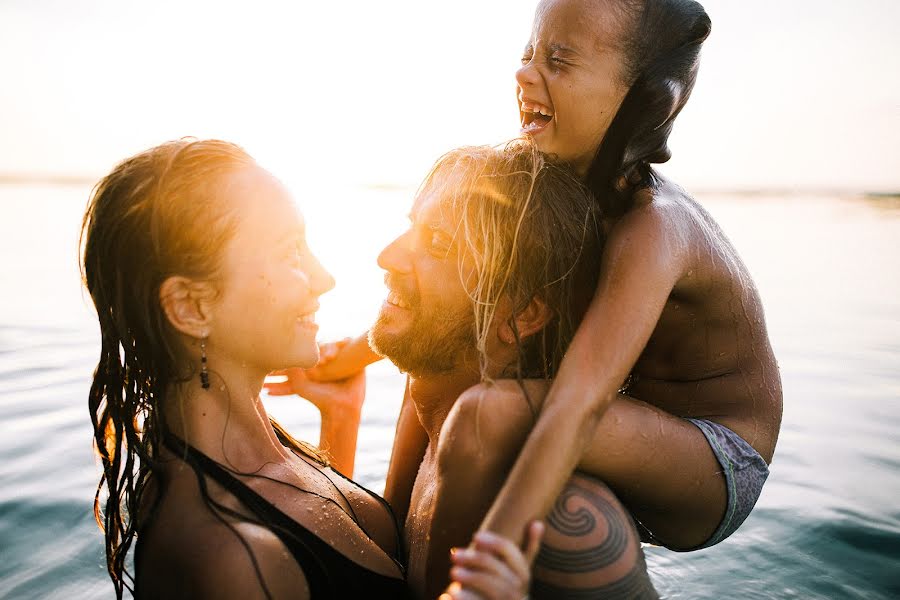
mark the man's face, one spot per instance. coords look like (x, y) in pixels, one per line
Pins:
(426, 324)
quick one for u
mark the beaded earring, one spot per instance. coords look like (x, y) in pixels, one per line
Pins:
(204, 374)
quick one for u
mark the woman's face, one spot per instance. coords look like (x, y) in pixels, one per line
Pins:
(569, 86)
(270, 282)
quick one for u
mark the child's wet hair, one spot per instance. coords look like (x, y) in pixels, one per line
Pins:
(661, 47)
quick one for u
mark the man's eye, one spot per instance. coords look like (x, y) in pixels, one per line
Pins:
(440, 242)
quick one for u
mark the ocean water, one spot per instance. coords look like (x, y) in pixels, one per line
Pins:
(828, 267)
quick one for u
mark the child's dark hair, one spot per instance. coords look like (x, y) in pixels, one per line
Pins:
(662, 52)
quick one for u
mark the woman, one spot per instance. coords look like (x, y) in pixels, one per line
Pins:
(197, 263)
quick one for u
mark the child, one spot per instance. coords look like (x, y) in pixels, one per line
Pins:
(669, 392)
(676, 322)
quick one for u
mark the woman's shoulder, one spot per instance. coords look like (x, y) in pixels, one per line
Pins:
(205, 557)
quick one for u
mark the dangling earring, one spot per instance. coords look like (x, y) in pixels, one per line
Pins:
(204, 374)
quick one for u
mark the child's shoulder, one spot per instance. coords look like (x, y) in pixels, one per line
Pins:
(659, 215)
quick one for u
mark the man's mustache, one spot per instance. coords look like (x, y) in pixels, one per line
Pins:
(403, 287)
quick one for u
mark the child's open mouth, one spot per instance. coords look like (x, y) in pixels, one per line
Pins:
(534, 117)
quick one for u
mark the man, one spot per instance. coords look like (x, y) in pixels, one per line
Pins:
(488, 283)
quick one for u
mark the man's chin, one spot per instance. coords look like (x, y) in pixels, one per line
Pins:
(396, 348)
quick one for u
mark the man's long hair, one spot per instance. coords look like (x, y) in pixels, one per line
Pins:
(527, 228)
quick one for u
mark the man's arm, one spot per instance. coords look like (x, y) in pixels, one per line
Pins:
(590, 544)
(343, 359)
(410, 441)
(339, 403)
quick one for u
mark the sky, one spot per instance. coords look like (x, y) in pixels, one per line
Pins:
(792, 94)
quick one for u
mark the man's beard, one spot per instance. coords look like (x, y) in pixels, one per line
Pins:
(435, 341)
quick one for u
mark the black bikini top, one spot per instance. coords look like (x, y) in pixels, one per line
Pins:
(329, 573)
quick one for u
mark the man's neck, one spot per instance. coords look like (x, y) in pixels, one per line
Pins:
(434, 396)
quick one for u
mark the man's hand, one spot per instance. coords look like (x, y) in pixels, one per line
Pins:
(339, 403)
(332, 398)
(342, 359)
(493, 568)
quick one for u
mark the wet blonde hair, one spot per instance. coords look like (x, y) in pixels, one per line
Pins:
(157, 214)
(526, 227)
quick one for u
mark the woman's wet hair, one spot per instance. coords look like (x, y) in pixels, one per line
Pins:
(157, 214)
(526, 228)
(661, 46)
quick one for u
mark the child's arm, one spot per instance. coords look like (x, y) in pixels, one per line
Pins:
(643, 259)
(343, 359)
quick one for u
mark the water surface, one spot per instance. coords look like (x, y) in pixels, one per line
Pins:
(828, 268)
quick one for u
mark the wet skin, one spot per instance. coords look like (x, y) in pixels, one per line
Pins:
(461, 462)
(706, 355)
(709, 355)
(675, 314)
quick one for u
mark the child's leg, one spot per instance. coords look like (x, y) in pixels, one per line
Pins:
(660, 466)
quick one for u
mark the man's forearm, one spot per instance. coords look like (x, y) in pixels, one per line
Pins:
(410, 442)
(338, 437)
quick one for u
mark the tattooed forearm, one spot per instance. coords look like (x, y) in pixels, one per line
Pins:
(581, 523)
(635, 586)
(591, 549)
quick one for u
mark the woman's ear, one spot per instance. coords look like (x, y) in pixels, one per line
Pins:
(528, 321)
(187, 305)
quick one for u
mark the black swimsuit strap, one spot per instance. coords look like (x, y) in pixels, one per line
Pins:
(306, 547)
(400, 559)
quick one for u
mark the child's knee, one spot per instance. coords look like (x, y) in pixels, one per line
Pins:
(590, 545)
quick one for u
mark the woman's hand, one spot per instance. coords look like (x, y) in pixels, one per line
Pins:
(493, 568)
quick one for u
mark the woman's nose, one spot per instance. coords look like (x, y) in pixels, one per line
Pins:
(320, 280)
(395, 256)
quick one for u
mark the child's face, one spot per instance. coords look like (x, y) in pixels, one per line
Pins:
(569, 86)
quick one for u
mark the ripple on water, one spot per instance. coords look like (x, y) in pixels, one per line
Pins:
(54, 541)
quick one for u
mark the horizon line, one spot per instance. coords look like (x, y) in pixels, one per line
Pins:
(71, 179)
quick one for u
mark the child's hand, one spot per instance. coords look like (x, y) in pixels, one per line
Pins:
(493, 568)
(342, 359)
(344, 397)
